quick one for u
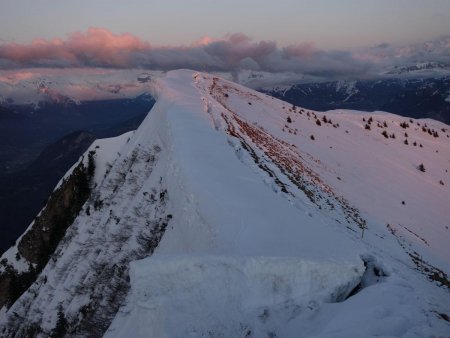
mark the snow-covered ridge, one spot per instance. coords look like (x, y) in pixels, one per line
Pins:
(254, 124)
(221, 189)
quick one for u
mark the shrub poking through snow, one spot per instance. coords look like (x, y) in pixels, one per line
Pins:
(421, 167)
(404, 125)
(385, 134)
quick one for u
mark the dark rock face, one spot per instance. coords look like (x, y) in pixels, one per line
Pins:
(13, 284)
(39, 243)
(6, 285)
(49, 227)
(23, 194)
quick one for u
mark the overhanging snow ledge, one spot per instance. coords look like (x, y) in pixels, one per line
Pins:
(181, 295)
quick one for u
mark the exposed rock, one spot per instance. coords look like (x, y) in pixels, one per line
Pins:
(49, 227)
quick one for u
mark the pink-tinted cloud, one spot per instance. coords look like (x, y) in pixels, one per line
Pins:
(303, 50)
(96, 47)
(13, 78)
(101, 48)
(204, 41)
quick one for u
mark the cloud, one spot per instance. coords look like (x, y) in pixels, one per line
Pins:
(96, 47)
(33, 85)
(384, 54)
(238, 47)
(101, 48)
(303, 50)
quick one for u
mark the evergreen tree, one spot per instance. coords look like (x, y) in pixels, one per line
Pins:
(60, 329)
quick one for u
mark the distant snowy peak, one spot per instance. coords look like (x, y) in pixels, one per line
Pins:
(347, 87)
(72, 85)
(439, 68)
(47, 92)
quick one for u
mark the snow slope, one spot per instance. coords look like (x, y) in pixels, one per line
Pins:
(254, 218)
(256, 207)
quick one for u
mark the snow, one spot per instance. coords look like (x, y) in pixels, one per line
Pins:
(202, 168)
(174, 293)
(103, 162)
(11, 255)
(221, 215)
(103, 159)
(32, 86)
(266, 231)
(392, 313)
(349, 87)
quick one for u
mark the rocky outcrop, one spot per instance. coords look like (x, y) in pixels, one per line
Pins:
(48, 228)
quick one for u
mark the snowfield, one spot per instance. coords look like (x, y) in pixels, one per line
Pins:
(229, 213)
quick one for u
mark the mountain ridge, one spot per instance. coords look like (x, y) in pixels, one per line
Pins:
(409, 97)
(219, 176)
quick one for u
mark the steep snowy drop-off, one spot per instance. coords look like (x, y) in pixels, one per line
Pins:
(257, 218)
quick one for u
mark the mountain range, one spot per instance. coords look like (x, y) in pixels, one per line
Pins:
(409, 97)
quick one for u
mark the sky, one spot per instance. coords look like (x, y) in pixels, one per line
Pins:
(327, 23)
(322, 37)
